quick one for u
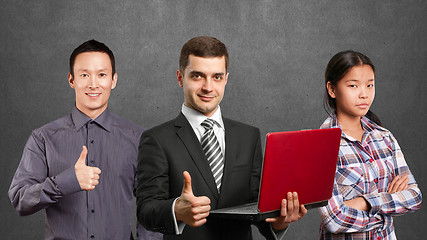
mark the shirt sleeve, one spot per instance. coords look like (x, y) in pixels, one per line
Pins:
(336, 217)
(399, 202)
(179, 226)
(31, 188)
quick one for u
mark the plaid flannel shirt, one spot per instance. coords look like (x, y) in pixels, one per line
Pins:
(365, 169)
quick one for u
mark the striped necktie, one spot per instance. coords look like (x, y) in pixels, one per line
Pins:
(212, 149)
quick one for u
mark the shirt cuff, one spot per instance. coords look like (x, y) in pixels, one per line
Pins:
(66, 182)
(375, 200)
(179, 226)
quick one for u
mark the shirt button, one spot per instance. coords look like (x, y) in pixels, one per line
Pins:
(375, 180)
(92, 236)
(91, 141)
(371, 160)
(92, 211)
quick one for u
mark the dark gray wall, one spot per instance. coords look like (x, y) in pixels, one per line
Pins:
(278, 51)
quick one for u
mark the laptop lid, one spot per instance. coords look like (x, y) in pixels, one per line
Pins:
(299, 161)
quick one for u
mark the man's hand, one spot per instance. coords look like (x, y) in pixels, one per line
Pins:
(87, 176)
(398, 184)
(190, 209)
(290, 211)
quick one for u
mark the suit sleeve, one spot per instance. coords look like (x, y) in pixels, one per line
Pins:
(31, 189)
(153, 201)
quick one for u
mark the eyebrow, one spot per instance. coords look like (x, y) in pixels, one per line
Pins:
(203, 74)
(355, 80)
(87, 70)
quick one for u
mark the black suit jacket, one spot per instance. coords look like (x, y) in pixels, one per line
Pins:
(166, 151)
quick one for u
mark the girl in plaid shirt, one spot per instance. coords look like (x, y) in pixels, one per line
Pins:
(373, 182)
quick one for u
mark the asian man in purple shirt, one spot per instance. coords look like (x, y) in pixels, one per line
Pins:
(81, 168)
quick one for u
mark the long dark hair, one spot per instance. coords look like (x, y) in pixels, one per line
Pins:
(337, 68)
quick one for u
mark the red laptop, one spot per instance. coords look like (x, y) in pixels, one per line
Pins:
(298, 161)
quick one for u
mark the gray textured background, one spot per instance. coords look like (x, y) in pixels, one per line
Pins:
(278, 51)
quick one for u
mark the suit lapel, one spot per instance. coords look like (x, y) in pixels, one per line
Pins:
(186, 133)
(231, 141)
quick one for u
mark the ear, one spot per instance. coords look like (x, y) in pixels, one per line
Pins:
(114, 83)
(180, 78)
(331, 89)
(226, 78)
(70, 80)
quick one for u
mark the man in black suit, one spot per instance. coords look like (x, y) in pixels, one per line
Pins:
(201, 161)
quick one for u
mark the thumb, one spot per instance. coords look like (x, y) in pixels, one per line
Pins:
(82, 158)
(187, 183)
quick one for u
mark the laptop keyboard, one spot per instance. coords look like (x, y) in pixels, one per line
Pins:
(250, 208)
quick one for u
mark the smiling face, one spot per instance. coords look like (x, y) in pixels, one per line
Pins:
(92, 81)
(355, 92)
(203, 81)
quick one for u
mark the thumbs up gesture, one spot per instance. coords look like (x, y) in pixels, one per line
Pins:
(191, 209)
(87, 176)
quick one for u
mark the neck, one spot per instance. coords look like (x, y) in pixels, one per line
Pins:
(93, 114)
(351, 125)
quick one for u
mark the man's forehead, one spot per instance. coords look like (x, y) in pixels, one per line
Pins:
(91, 60)
(206, 64)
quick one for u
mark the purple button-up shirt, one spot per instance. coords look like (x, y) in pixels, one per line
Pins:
(46, 179)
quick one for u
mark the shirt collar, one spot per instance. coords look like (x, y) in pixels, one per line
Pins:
(367, 125)
(80, 119)
(195, 118)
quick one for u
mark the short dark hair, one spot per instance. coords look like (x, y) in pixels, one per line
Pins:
(92, 46)
(202, 46)
(339, 65)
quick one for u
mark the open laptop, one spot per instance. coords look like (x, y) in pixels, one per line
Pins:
(297, 161)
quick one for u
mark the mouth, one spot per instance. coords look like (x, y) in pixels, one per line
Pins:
(363, 105)
(206, 98)
(93, 94)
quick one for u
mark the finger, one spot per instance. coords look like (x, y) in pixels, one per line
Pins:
(272, 220)
(89, 187)
(296, 199)
(203, 200)
(187, 183)
(302, 210)
(404, 185)
(398, 185)
(392, 187)
(200, 216)
(96, 170)
(201, 210)
(283, 208)
(290, 203)
(83, 154)
(199, 223)
(94, 182)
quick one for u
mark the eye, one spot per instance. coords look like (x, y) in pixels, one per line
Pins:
(371, 85)
(352, 85)
(218, 77)
(196, 76)
(102, 75)
(84, 75)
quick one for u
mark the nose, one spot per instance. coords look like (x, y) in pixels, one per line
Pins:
(93, 82)
(363, 93)
(207, 85)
